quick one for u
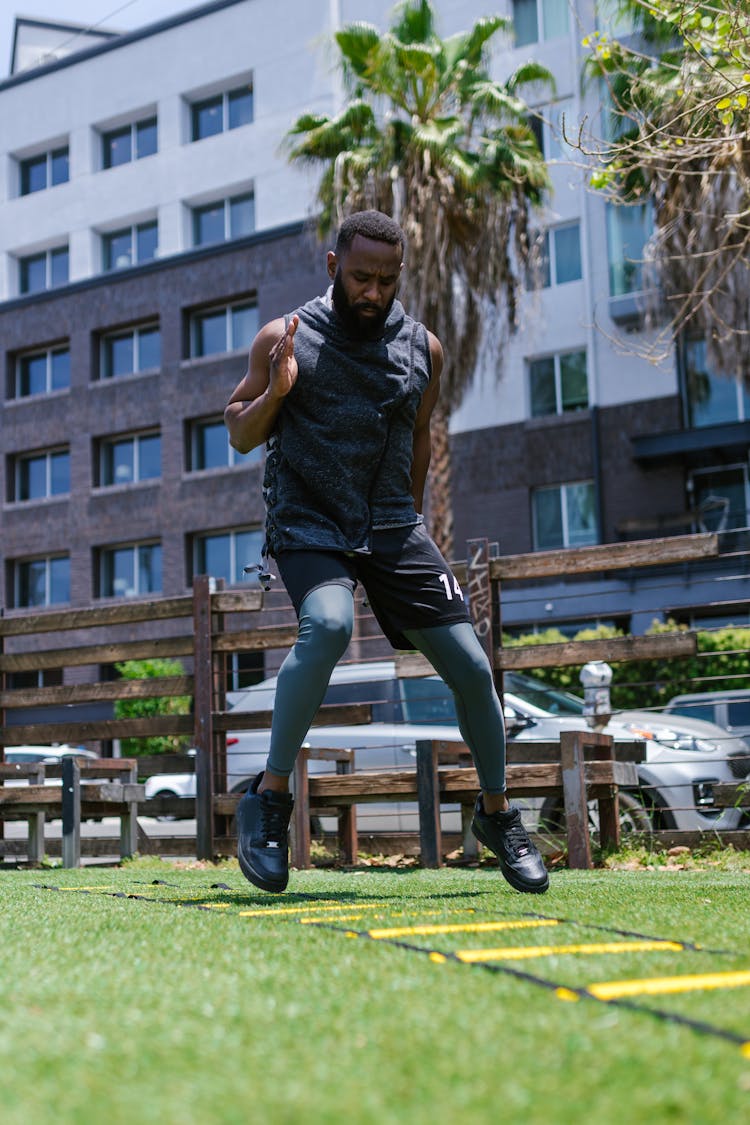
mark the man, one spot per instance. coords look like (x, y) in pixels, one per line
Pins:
(342, 392)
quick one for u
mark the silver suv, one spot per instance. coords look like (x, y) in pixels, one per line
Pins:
(676, 778)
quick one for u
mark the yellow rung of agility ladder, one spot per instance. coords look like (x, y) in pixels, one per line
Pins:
(458, 928)
(510, 953)
(616, 989)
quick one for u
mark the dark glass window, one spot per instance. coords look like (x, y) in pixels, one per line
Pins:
(34, 273)
(207, 117)
(132, 459)
(117, 147)
(132, 571)
(221, 112)
(125, 353)
(46, 170)
(129, 142)
(42, 582)
(208, 224)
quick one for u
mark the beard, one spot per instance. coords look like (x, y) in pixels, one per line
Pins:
(359, 326)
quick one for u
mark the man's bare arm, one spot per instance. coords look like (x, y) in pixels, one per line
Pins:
(422, 445)
(254, 405)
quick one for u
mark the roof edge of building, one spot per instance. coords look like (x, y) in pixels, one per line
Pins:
(185, 257)
(118, 41)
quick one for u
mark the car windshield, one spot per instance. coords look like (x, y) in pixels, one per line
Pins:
(549, 699)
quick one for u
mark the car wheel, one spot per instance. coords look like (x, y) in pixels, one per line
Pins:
(165, 817)
(634, 819)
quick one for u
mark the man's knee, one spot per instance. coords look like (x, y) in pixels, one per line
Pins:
(327, 619)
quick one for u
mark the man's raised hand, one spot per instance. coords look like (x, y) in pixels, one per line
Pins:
(281, 362)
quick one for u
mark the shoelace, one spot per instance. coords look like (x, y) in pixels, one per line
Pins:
(517, 840)
(274, 823)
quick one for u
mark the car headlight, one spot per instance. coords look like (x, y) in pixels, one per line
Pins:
(666, 736)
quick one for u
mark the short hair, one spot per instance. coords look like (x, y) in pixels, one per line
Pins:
(370, 224)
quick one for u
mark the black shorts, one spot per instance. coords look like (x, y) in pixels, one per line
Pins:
(408, 583)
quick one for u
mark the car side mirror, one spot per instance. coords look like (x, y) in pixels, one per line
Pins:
(515, 722)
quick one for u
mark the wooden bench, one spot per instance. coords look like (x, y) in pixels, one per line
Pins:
(581, 767)
(118, 794)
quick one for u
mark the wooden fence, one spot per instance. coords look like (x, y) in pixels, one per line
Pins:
(207, 627)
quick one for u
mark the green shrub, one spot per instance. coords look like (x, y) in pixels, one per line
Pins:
(721, 663)
(144, 708)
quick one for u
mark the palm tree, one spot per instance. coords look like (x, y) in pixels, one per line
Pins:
(428, 137)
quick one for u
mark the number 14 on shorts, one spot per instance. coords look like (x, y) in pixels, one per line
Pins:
(451, 586)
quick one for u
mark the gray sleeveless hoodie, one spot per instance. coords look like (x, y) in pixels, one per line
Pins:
(338, 462)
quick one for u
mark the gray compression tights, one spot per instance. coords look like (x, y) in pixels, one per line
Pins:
(325, 627)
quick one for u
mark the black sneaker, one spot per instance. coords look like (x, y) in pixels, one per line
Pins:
(262, 837)
(504, 834)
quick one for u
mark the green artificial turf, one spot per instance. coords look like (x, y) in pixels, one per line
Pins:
(130, 1009)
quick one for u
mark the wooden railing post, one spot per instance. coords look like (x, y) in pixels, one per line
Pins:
(300, 825)
(428, 795)
(203, 707)
(71, 812)
(574, 797)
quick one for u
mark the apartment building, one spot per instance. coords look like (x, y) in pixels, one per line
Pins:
(149, 221)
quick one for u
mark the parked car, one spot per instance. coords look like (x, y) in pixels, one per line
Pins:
(31, 755)
(685, 758)
(729, 710)
(676, 778)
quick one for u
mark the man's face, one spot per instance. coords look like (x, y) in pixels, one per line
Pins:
(365, 281)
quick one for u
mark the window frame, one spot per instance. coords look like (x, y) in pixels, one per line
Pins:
(104, 553)
(47, 255)
(105, 443)
(226, 204)
(133, 231)
(45, 455)
(136, 331)
(557, 358)
(234, 460)
(195, 104)
(234, 579)
(541, 31)
(132, 128)
(48, 354)
(562, 490)
(48, 156)
(197, 315)
(47, 560)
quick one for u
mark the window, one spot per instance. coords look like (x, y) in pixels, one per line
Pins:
(41, 373)
(223, 329)
(712, 398)
(44, 171)
(226, 554)
(221, 112)
(209, 448)
(564, 516)
(129, 247)
(128, 460)
(43, 271)
(558, 384)
(130, 142)
(534, 20)
(41, 582)
(228, 218)
(127, 353)
(39, 677)
(561, 255)
(130, 571)
(628, 230)
(721, 497)
(39, 476)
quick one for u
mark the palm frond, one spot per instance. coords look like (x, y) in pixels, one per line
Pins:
(530, 73)
(357, 41)
(414, 21)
